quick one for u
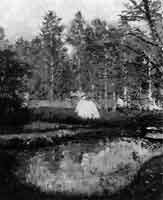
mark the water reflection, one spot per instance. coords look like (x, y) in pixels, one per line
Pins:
(92, 167)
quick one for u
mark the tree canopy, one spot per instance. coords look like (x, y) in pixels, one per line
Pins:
(106, 61)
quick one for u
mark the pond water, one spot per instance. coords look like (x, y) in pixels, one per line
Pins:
(96, 167)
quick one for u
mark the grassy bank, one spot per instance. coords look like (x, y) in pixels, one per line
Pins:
(122, 118)
(37, 140)
(69, 117)
(48, 126)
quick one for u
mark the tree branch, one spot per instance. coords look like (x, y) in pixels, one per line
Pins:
(137, 6)
(143, 39)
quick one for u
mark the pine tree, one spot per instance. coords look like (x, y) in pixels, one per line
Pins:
(51, 34)
(105, 48)
(12, 75)
(76, 37)
(39, 82)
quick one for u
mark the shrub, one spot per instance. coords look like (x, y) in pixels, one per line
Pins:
(12, 84)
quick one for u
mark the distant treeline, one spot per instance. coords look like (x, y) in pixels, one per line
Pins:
(106, 61)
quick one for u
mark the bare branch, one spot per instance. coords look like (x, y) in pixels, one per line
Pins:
(143, 39)
(139, 6)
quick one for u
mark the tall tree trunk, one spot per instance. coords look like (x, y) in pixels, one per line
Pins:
(93, 90)
(155, 35)
(105, 89)
(52, 57)
(114, 101)
(150, 21)
(79, 75)
(150, 84)
(150, 90)
(125, 95)
(125, 92)
(140, 97)
(51, 90)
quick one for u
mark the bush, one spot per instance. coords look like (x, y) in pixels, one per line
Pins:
(18, 117)
(50, 114)
(12, 76)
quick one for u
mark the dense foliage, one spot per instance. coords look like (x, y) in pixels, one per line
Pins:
(12, 82)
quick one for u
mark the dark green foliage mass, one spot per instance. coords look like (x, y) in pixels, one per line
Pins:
(12, 81)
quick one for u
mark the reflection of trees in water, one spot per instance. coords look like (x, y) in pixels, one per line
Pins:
(101, 166)
(148, 182)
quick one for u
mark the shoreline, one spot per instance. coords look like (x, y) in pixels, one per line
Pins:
(42, 133)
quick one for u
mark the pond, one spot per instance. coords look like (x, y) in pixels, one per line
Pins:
(98, 167)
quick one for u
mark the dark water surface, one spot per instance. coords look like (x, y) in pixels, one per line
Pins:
(110, 168)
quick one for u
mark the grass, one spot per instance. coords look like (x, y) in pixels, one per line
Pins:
(43, 133)
(67, 116)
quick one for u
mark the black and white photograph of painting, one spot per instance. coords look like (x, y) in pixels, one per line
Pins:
(81, 99)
